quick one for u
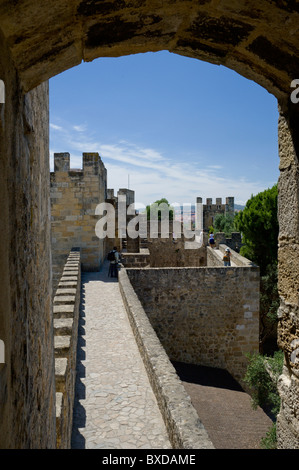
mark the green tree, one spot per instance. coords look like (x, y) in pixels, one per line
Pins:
(262, 376)
(155, 210)
(224, 223)
(258, 224)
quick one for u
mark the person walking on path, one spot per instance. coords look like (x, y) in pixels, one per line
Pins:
(212, 240)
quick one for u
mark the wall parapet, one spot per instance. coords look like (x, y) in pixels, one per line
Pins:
(214, 257)
(184, 428)
(140, 260)
(66, 304)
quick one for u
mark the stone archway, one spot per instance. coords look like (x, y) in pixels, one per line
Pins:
(258, 39)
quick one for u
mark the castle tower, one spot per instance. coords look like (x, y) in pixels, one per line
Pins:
(210, 210)
(230, 206)
(74, 195)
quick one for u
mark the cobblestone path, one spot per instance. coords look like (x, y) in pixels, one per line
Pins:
(115, 407)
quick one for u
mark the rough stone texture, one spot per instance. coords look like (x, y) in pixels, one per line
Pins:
(74, 197)
(183, 425)
(27, 388)
(288, 314)
(258, 39)
(170, 246)
(139, 260)
(206, 316)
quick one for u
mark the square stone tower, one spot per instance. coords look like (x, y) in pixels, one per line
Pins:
(74, 194)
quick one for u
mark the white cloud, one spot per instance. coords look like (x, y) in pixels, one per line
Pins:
(151, 174)
(80, 128)
(55, 127)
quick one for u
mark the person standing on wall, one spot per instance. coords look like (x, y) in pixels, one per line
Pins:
(114, 262)
(226, 257)
(212, 240)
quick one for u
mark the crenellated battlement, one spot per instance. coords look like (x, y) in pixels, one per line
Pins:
(91, 163)
(74, 195)
(210, 210)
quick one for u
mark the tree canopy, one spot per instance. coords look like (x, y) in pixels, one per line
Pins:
(224, 223)
(258, 224)
(160, 208)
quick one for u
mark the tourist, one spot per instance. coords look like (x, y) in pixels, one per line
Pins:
(211, 240)
(114, 263)
(226, 257)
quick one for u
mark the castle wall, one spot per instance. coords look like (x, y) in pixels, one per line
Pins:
(288, 264)
(206, 316)
(74, 197)
(210, 210)
(27, 379)
(172, 248)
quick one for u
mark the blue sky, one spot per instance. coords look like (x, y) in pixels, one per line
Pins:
(169, 125)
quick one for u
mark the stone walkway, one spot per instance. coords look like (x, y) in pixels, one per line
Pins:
(115, 407)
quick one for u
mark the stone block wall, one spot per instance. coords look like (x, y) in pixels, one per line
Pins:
(207, 316)
(136, 260)
(210, 210)
(66, 305)
(27, 386)
(74, 197)
(288, 282)
(169, 249)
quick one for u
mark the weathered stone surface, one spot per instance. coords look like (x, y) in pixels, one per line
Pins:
(27, 391)
(258, 39)
(65, 346)
(63, 326)
(74, 197)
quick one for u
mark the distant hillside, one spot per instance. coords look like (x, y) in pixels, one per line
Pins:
(238, 207)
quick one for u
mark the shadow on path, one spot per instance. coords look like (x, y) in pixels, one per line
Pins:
(223, 407)
(206, 376)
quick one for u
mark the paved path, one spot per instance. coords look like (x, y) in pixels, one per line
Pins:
(115, 407)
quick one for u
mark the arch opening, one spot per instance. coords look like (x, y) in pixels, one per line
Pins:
(257, 39)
